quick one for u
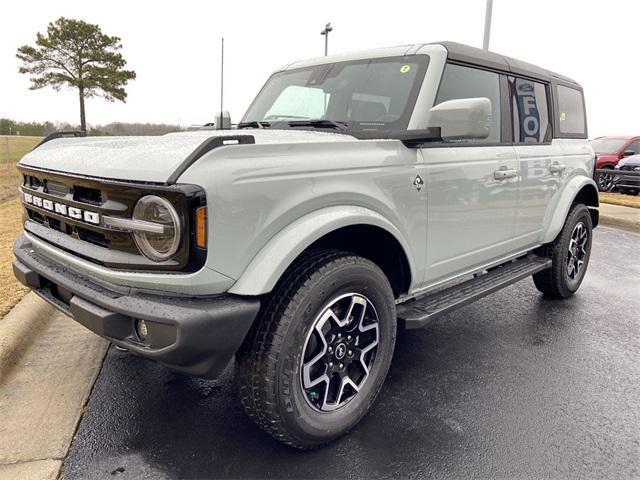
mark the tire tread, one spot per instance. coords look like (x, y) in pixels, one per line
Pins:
(256, 360)
(551, 281)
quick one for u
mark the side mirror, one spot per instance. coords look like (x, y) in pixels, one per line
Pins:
(628, 153)
(463, 118)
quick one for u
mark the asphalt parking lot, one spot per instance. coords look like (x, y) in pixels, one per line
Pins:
(511, 386)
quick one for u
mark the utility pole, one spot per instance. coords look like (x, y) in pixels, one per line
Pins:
(327, 28)
(487, 25)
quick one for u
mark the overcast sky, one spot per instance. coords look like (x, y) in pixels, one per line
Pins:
(174, 47)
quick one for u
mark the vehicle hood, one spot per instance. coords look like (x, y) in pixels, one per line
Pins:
(606, 158)
(149, 159)
(631, 161)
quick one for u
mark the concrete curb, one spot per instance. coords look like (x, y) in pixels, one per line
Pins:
(19, 328)
(626, 218)
(614, 222)
(48, 365)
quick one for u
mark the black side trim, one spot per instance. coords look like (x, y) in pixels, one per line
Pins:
(205, 147)
(54, 135)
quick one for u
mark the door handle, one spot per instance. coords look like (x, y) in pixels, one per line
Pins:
(557, 167)
(504, 173)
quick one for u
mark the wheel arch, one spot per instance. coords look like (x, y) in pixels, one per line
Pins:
(339, 228)
(578, 190)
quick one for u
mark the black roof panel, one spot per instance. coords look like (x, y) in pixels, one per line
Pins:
(466, 54)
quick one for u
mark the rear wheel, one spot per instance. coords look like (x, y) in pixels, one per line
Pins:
(320, 350)
(630, 191)
(570, 253)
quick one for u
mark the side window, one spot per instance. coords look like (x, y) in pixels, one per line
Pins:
(530, 111)
(634, 146)
(466, 82)
(571, 111)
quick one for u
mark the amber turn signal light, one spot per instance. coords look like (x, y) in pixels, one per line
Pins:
(201, 227)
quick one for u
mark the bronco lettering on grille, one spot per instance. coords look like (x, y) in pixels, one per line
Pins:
(62, 209)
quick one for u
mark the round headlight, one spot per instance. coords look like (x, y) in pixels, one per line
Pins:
(162, 244)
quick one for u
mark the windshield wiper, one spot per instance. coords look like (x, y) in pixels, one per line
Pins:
(254, 124)
(320, 123)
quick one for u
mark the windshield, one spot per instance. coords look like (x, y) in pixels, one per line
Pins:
(607, 145)
(372, 95)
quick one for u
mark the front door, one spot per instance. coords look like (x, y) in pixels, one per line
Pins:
(471, 207)
(471, 186)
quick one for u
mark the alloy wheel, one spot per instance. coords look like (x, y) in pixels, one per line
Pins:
(577, 250)
(339, 352)
(605, 182)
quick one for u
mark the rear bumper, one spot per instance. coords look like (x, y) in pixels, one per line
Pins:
(197, 335)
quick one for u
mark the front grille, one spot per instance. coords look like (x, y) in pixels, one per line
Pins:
(92, 237)
(98, 243)
(36, 217)
(56, 188)
(55, 224)
(92, 196)
(32, 181)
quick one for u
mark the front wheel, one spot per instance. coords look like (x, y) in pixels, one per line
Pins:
(570, 253)
(316, 359)
(605, 180)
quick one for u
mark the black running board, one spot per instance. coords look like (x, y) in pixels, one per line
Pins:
(419, 312)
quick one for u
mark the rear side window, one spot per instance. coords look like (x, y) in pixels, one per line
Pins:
(530, 111)
(466, 82)
(571, 111)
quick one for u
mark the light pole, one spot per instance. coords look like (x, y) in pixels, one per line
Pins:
(327, 28)
(487, 24)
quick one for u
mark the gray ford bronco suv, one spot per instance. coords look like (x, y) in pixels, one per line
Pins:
(360, 193)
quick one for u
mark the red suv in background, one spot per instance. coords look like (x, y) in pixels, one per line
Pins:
(609, 151)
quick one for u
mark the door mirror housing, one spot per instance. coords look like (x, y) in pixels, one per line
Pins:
(628, 153)
(461, 119)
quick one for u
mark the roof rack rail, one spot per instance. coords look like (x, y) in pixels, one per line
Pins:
(54, 135)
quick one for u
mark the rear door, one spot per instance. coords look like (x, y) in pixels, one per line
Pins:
(471, 185)
(541, 161)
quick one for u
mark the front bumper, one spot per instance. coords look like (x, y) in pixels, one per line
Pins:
(194, 335)
(626, 181)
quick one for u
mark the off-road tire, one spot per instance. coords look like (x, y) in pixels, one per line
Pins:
(555, 282)
(268, 363)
